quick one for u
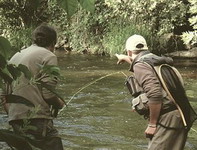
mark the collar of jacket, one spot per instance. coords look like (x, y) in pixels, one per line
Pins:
(137, 58)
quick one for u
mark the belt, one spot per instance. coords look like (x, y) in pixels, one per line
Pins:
(171, 108)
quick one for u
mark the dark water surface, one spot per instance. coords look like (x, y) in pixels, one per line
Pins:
(99, 117)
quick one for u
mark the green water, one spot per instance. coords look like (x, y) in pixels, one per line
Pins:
(100, 117)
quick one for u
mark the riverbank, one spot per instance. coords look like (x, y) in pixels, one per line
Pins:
(181, 58)
(192, 53)
(185, 58)
(184, 54)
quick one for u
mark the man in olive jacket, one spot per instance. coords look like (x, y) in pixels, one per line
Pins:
(40, 53)
(165, 130)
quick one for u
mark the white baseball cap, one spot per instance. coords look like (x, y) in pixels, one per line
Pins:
(136, 42)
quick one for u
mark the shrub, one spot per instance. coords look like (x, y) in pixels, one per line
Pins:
(190, 38)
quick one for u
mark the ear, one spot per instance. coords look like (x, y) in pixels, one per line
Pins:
(51, 48)
(129, 53)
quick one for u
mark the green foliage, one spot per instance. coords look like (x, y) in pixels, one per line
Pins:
(5, 47)
(10, 72)
(88, 5)
(115, 43)
(5, 75)
(69, 5)
(17, 20)
(19, 17)
(3, 62)
(20, 38)
(19, 13)
(51, 70)
(106, 30)
(89, 30)
(190, 38)
(14, 71)
(193, 11)
(159, 17)
(25, 71)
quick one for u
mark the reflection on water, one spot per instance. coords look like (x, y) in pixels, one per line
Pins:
(100, 117)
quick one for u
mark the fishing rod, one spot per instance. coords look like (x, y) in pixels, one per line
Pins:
(87, 85)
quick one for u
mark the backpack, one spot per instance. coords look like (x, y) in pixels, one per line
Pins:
(172, 83)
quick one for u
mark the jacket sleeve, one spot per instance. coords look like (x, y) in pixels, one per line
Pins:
(149, 82)
(50, 82)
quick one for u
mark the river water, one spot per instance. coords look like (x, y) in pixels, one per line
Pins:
(99, 115)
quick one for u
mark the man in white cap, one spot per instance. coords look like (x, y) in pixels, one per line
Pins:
(165, 127)
(134, 45)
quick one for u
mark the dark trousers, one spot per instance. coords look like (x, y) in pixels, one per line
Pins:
(39, 133)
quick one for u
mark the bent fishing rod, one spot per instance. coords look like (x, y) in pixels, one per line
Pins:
(87, 85)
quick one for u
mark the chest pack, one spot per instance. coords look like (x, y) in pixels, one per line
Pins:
(139, 101)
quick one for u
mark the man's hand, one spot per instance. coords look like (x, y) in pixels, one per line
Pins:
(61, 103)
(154, 116)
(56, 102)
(150, 131)
(55, 108)
(123, 58)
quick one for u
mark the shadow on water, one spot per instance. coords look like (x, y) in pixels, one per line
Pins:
(99, 117)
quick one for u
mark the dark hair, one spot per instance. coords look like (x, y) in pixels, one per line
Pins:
(137, 51)
(44, 36)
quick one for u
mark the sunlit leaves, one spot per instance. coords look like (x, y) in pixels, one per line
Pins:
(5, 47)
(191, 36)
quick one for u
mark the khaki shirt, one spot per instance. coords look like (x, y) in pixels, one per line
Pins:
(32, 57)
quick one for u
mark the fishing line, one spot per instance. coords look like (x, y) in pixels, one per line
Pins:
(87, 85)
